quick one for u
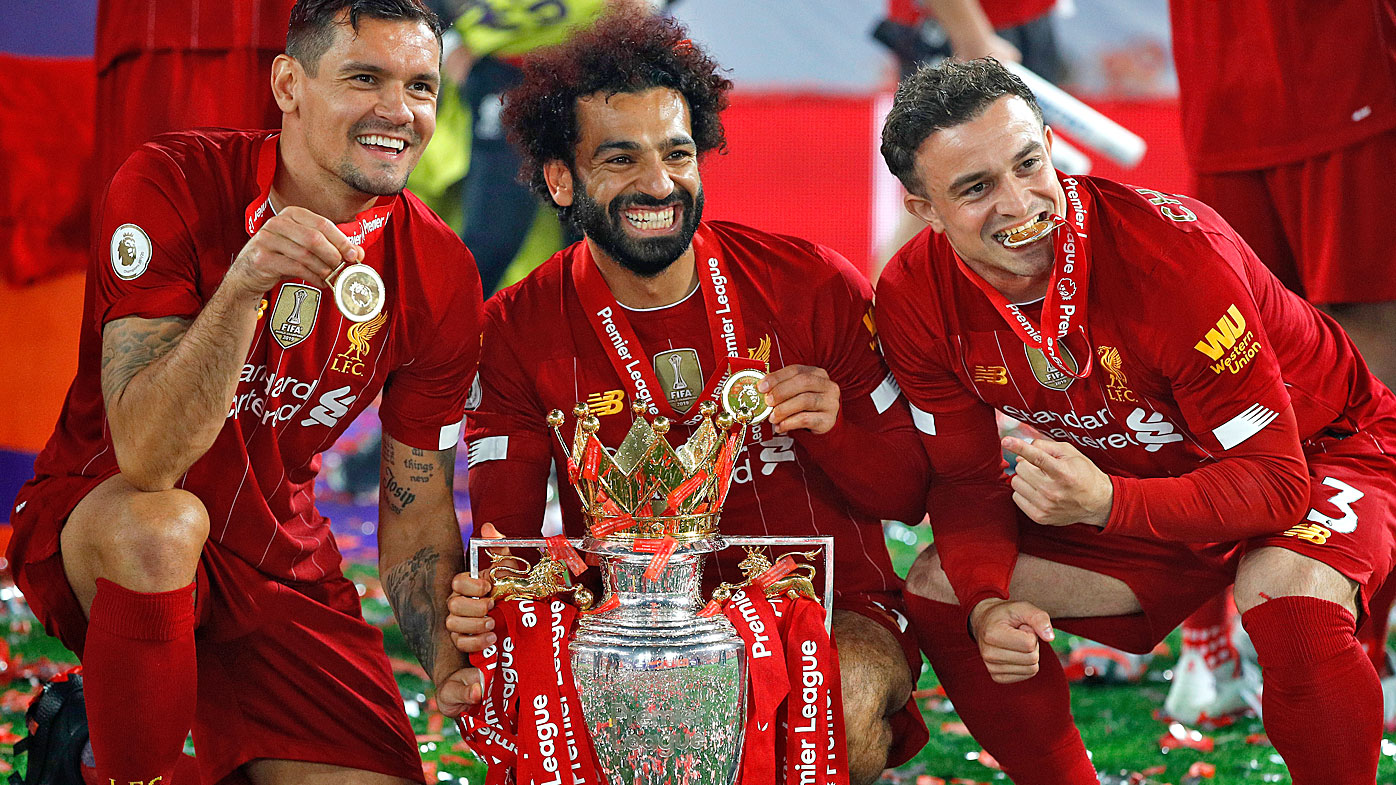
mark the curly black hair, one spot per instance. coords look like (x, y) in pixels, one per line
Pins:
(943, 96)
(620, 53)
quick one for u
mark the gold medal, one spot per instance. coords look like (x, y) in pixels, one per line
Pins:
(739, 394)
(359, 292)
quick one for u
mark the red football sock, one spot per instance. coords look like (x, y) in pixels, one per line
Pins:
(1026, 726)
(1322, 699)
(1209, 630)
(1375, 629)
(139, 680)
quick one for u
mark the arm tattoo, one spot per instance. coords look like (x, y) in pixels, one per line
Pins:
(403, 482)
(410, 589)
(129, 345)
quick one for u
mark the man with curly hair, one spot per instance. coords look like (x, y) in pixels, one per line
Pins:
(653, 305)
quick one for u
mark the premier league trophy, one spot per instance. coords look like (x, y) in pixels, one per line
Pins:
(662, 684)
(661, 687)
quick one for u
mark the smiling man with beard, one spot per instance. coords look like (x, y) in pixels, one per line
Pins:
(655, 305)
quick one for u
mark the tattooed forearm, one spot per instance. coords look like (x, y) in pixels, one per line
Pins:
(407, 473)
(422, 469)
(397, 495)
(410, 586)
(129, 345)
(167, 384)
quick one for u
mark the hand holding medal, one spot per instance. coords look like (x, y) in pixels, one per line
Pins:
(358, 291)
(794, 397)
(280, 237)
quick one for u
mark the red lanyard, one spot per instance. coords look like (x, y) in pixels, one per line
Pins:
(612, 328)
(362, 231)
(1067, 289)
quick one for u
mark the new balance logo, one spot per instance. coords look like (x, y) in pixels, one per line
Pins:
(1312, 532)
(333, 405)
(1229, 328)
(990, 374)
(604, 403)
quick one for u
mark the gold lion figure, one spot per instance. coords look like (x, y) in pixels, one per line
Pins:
(799, 583)
(533, 581)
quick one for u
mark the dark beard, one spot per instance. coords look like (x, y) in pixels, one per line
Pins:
(645, 257)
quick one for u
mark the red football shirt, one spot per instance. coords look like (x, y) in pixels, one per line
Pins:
(1204, 369)
(1002, 13)
(800, 303)
(128, 26)
(1268, 82)
(171, 224)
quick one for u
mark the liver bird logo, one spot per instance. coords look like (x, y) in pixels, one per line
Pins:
(361, 335)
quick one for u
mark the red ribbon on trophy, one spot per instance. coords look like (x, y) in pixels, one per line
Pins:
(812, 716)
(530, 720)
(756, 622)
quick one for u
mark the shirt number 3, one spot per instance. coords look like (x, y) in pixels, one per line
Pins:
(1343, 500)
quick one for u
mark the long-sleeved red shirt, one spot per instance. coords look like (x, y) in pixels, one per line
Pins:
(800, 304)
(1207, 375)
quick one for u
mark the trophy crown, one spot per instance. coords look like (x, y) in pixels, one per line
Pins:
(644, 487)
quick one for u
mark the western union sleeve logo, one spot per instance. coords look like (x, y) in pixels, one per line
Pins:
(1229, 344)
(1229, 329)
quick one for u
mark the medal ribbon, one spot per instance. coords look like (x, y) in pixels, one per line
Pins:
(362, 231)
(751, 614)
(815, 748)
(1067, 288)
(613, 330)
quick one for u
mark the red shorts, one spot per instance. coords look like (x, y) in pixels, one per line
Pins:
(909, 733)
(1319, 224)
(287, 671)
(1349, 527)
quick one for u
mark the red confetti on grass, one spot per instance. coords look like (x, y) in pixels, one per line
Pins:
(985, 759)
(934, 692)
(1179, 737)
(926, 779)
(1202, 769)
(454, 760)
(1154, 771)
(406, 666)
(16, 700)
(954, 728)
(1258, 738)
(7, 736)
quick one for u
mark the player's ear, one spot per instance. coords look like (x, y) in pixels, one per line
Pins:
(922, 208)
(558, 175)
(1047, 140)
(286, 74)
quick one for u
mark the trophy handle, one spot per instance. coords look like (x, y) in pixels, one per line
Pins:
(826, 543)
